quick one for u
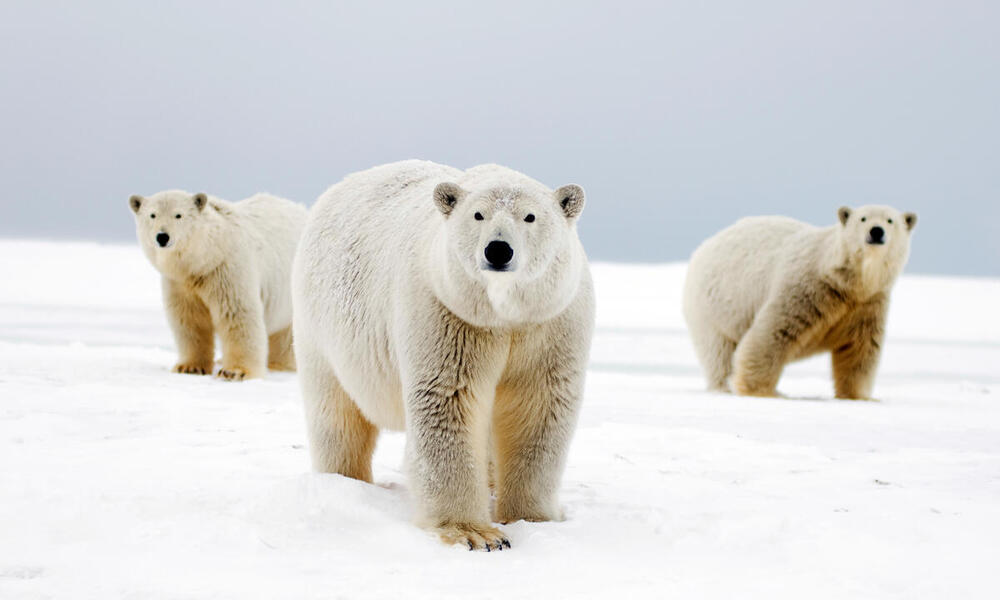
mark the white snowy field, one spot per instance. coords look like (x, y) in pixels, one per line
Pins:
(120, 479)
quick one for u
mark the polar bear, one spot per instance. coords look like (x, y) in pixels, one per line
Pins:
(457, 306)
(226, 271)
(770, 290)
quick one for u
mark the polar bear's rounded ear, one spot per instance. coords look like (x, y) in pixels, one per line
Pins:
(571, 199)
(843, 213)
(135, 202)
(911, 220)
(200, 200)
(446, 196)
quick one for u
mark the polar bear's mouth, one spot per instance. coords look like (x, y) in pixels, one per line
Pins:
(494, 269)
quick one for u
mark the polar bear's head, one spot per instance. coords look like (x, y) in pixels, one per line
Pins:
(515, 242)
(168, 222)
(877, 238)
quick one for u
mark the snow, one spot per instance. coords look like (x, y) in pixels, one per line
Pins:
(119, 479)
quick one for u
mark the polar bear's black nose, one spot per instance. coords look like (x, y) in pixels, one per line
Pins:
(498, 254)
(876, 235)
(162, 239)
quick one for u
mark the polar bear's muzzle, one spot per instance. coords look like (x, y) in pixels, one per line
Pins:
(499, 256)
(163, 239)
(876, 236)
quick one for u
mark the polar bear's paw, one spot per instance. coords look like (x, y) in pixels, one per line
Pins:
(193, 368)
(475, 537)
(741, 385)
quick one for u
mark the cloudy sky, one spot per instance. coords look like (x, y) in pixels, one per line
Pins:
(677, 117)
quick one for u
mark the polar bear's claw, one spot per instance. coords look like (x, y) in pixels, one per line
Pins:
(232, 374)
(476, 537)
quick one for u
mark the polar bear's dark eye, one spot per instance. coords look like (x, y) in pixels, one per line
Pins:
(177, 216)
(863, 219)
(890, 221)
(529, 219)
(479, 216)
(152, 215)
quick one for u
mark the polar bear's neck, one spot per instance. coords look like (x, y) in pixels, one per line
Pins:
(184, 267)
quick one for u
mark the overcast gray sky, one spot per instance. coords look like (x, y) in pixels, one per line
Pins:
(677, 117)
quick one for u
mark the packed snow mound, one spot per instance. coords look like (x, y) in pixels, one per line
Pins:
(120, 479)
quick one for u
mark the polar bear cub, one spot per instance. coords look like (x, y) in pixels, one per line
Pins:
(457, 306)
(226, 270)
(770, 290)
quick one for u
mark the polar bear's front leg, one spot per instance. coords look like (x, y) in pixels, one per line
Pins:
(449, 391)
(798, 318)
(534, 418)
(191, 323)
(239, 322)
(856, 358)
(763, 351)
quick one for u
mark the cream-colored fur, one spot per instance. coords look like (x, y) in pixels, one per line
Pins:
(225, 272)
(771, 290)
(401, 324)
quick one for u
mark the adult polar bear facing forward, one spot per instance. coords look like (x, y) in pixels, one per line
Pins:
(457, 306)
(225, 270)
(771, 290)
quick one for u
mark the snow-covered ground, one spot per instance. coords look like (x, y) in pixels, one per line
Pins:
(119, 479)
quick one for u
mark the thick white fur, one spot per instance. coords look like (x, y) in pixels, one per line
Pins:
(770, 290)
(398, 325)
(226, 272)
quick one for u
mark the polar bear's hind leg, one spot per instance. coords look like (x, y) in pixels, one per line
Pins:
(280, 354)
(341, 439)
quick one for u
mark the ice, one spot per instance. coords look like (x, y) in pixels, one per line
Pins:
(120, 479)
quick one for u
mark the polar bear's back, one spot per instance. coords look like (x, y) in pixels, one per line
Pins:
(372, 223)
(276, 220)
(271, 228)
(361, 238)
(493, 174)
(731, 273)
